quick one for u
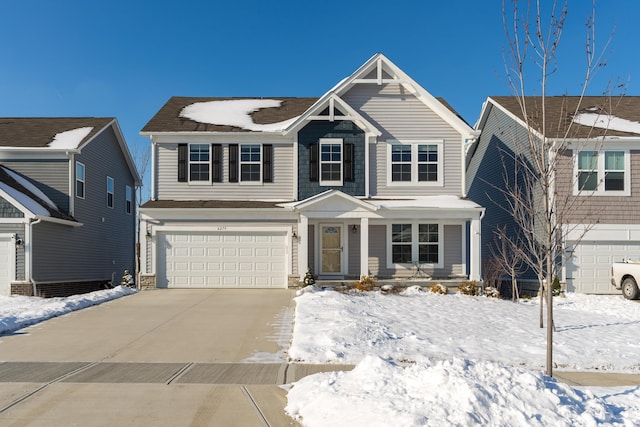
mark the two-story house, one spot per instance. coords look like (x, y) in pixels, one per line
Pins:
(366, 180)
(67, 205)
(595, 185)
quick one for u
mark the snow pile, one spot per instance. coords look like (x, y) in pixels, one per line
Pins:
(17, 312)
(454, 392)
(234, 112)
(593, 332)
(30, 204)
(605, 121)
(70, 139)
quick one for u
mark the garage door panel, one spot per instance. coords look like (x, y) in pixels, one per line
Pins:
(588, 270)
(227, 260)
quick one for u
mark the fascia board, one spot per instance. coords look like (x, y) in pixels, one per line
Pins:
(308, 203)
(59, 221)
(220, 214)
(186, 137)
(514, 117)
(151, 134)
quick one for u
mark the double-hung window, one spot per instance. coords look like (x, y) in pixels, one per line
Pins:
(80, 177)
(604, 172)
(199, 162)
(415, 242)
(331, 161)
(250, 163)
(110, 186)
(415, 163)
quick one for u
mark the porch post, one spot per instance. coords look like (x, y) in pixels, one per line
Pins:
(364, 247)
(474, 250)
(303, 246)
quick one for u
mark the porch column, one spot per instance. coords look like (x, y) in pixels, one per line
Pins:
(474, 250)
(364, 247)
(303, 246)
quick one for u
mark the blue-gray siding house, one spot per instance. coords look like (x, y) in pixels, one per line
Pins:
(67, 205)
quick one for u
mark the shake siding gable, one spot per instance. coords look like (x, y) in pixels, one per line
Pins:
(169, 188)
(399, 115)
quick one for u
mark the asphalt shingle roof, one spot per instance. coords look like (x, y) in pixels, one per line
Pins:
(40, 131)
(560, 110)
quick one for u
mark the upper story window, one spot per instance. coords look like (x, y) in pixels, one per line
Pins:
(251, 163)
(199, 162)
(331, 161)
(110, 186)
(80, 177)
(603, 173)
(414, 242)
(128, 204)
(415, 163)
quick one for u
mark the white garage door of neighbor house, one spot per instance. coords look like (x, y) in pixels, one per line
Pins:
(255, 259)
(589, 269)
(6, 261)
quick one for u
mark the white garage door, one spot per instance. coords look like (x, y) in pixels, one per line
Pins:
(6, 264)
(589, 269)
(222, 260)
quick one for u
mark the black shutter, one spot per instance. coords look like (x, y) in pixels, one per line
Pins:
(313, 162)
(183, 154)
(233, 162)
(216, 163)
(347, 165)
(267, 163)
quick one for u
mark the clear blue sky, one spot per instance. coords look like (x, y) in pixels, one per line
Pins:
(125, 58)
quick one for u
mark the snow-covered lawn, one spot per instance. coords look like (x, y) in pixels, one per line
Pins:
(17, 312)
(429, 359)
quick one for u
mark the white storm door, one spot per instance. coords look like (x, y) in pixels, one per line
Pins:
(331, 249)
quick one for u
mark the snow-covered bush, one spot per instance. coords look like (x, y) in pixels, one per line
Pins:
(468, 287)
(366, 283)
(438, 288)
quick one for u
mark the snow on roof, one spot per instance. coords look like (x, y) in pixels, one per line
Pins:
(428, 202)
(605, 121)
(234, 112)
(26, 201)
(32, 188)
(70, 139)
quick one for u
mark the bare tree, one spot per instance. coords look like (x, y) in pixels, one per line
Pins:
(538, 207)
(508, 257)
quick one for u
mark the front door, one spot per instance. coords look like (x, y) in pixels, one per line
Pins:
(331, 250)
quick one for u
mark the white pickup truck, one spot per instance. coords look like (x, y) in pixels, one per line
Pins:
(625, 276)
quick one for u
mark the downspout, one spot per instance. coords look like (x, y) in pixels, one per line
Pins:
(33, 282)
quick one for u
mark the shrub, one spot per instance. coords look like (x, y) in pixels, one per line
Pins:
(557, 288)
(491, 292)
(438, 288)
(468, 288)
(366, 283)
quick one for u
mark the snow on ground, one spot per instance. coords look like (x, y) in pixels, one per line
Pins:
(429, 359)
(17, 312)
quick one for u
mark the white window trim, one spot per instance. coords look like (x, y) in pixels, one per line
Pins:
(112, 192)
(240, 163)
(600, 191)
(330, 141)
(128, 199)
(414, 163)
(83, 181)
(189, 163)
(414, 245)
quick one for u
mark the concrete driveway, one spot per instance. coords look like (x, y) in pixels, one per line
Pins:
(161, 358)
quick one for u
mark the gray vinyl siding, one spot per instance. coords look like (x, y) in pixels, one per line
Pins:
(104, 246)
(168, 187)
(592, 209)
(19, 230)
(354, 251)
(401, 116)
(50, 176)
(453, 263)
(7, 210)
(311, 134)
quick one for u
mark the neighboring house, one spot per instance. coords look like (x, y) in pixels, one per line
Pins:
(67, 205)
(598, 175)
(366, 180)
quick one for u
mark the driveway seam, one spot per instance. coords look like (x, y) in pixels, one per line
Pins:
(255, 406)
(181, 371)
